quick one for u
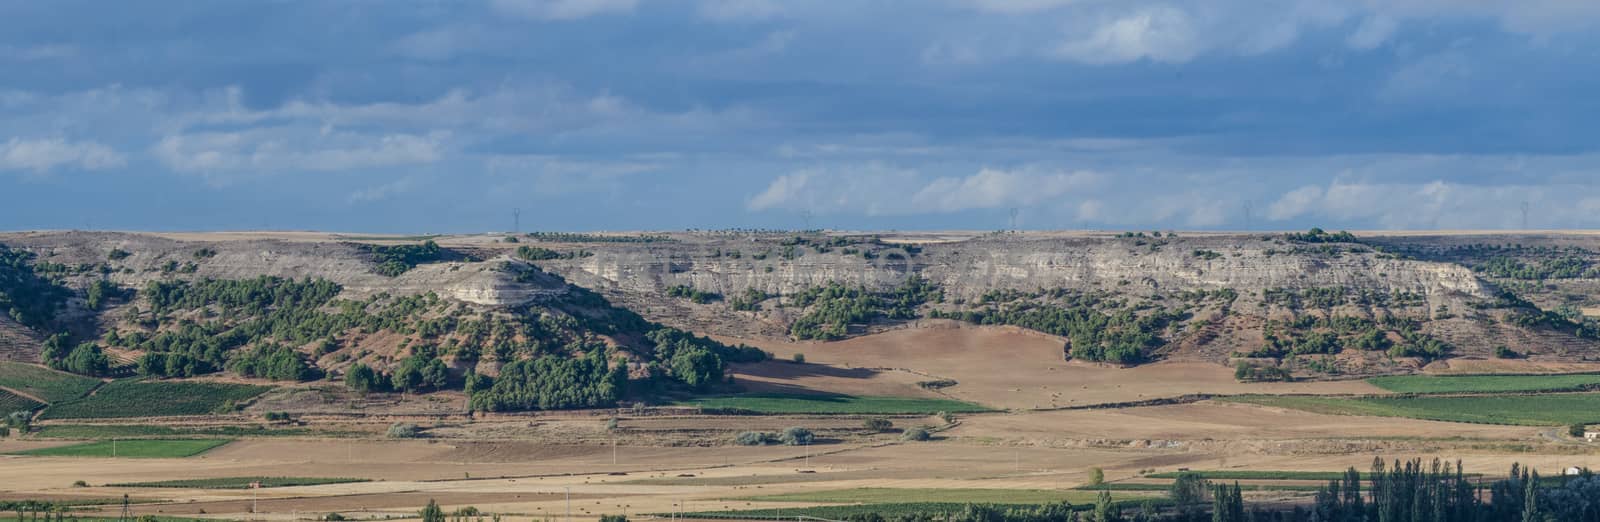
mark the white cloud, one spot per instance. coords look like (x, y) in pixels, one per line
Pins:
(876, 189)
(381, 192)
(1373, 31)
(562, 9)
(1294, 203)
(278, 149)
(46, 154)
(1160, 34)
(992, 188)
(739, 10)
(1441, 203)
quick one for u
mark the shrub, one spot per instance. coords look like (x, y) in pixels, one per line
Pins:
(5, 431)
(917, 434)
(1577, 430)
(80, 484)
(799, 358)
(947, 417)
(878, 424)
(755, 438)
(402, 430)
(613, 518)
(611, 425)
(1502, 352)
(797, 436)
(1097, 476)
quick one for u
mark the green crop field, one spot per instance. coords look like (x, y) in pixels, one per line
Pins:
(843, 404)
(133, 449)
(92, 431)
(1525, 410)
(46, 384)
(153, 399)
(1485, 383)
(239, 482)
(10, 402)
(897, 495)
(1135, 486)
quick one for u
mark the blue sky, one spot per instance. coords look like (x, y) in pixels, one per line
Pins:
(443, 116)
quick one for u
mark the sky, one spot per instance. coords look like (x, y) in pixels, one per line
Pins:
(413, 116)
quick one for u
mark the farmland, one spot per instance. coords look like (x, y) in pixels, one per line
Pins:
(154, 399)
(1485, 383)
(48, 385)
(131, 449)
(10, 402)
(239, 482)
(1527, 410)
(772, 403)
(897, 495)
(105, 431)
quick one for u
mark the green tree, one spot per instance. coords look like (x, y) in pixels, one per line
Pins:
(1097, 476)
(432, 513)
(362, 378)
(87, 359)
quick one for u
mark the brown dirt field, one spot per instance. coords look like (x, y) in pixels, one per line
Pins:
(1467, 366)
(1215, 420)
(382, 501)
(1011, 368)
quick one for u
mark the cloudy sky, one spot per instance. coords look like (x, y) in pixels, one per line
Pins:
(443, 116)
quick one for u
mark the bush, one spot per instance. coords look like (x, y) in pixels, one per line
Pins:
(613, 518)
(1097, 476)
(1502, 352)
(755, 438)
(797, 436)
(402, 430)
(799, 358)
(917, 434)
(1577, 430)
(80, 484)
(878, 424)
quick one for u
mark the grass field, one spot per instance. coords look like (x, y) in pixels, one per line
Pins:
(1524, 410)
(133, 449)
(90, 431)
(964, 496)
(10, 402)
(46, 384)
(841, 404)
(239, 482)
(1132, 486)
(1485, 383)
(153, 399)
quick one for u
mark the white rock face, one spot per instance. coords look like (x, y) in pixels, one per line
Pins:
(968, 269)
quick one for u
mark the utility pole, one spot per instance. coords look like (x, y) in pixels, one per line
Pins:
(1013, 219)
(805, 215)
(1248, 207)
(1524, 215)
(516, 221)
(569, 503)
